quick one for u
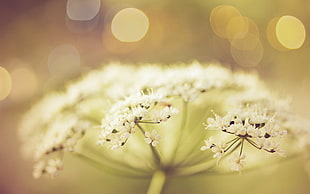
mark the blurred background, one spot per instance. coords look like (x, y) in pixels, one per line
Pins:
(44, 43)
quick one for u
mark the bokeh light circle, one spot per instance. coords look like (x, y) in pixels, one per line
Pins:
(237, 26)
(64, 60)
(82, 10)
(25, 83)
(244, 36)
(248, 58)
(290, 32)
(5, 83)
(271, 35)
(129, 25)
(220, 17)
(245, 42)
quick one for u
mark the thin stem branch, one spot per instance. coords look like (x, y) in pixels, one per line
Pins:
(109, 169)
(253, 143)
(153, 149)
(149, 122)
(191, 154)
(250, 169)
(181, 130)
(110, 159)
(235, 140)
(205, 157)
(232, 140)
(195, 169)
(241, 149)
(230, 151)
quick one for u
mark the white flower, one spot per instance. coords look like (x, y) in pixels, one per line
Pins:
(218, 150)
(250, 124)
(164, 114)
(53, 166)
(237, 161)
(38, 169)
(152, 138)
(208, 144)
(123, 117)
(216, 124)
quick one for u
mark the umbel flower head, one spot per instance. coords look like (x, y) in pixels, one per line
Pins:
(149, 121)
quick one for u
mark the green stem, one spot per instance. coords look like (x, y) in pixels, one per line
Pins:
(205, 166)
(112, 170)
(192, 156)
(260, 166)
(153, 149)
(181, 131)
(157, 182)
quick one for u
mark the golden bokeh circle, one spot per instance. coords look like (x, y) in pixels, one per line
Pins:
(220, 17)
(290, 32)
(129, 25)
(5, 83)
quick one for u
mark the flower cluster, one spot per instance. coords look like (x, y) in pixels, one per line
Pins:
(251, 124)
(125, 115)
(51, 167)
(61, 137)
(157, 112)
(191, 81)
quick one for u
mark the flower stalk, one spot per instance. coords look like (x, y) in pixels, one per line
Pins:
(157, 182)
(153, 149)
